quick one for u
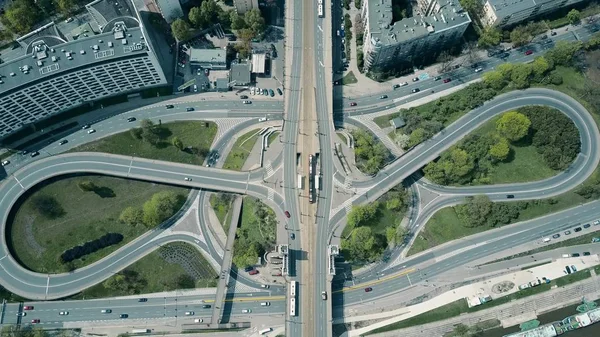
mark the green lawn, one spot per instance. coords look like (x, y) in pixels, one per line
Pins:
(192, 133)
(241, 150)
(349, 78)
(7, 154)
(177, 265)
(459, 307)
(222, 207)
(38, 242)
(256, 232)
(273, 137)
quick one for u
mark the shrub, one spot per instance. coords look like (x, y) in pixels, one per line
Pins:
(90, 247)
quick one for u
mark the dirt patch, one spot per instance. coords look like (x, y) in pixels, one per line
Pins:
(30, 238)
(502, 287)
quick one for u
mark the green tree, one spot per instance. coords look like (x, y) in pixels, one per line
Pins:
(453, 167)
(513, 125)
(500, 150)
(475, 212)
(402, 140)
(254, 21)
(150, 132)
(87, 186)
(132, 216)
(362, 214)
(362, 245)
(563, 52)
(474, 7)
(390, 235)
(494, 79)
(246, 256)
(237, 21)
(490, 37)
(195, 17)
(506, 70)
(540, 66)
(20, 16)
(574, 16)
(417, 137)
(519, 36)
(370, 153)
(65, 7)
(160, 207)
(520, 75)
(177, 143)
(181, 30)
(461, 330)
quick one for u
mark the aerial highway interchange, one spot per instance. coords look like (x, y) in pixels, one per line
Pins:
(310, 77)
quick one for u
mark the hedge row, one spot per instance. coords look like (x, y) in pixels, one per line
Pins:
(91, 246)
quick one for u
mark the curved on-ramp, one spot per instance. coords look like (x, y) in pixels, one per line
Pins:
(26, 283)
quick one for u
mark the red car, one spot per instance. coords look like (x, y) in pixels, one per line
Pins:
(529, 52)
(28, 307)
(287, 214)
(368, 290)
(447, 80)
(253, 272)
(34, 321)
(353, 104)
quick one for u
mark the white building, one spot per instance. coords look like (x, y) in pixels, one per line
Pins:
(510, 12)
(258, 63)
(436, 25)
(243, 6)
(170, 9)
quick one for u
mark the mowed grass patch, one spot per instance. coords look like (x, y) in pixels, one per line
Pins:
(241, 150)
(525, 165)
(349, 78)
(38, 242)
(193, 134)
(174, 266)
(221, 204)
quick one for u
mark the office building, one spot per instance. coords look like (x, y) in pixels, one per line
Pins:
(435, 25)
(56, 74)
(503, 13)
(240, 74)
(243, 6)
(170, 9)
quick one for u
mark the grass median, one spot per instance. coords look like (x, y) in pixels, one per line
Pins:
(38, 241)
(173, 266)
(241, 151)
(196, 138)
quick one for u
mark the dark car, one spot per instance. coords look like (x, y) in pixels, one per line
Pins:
(447, 80)
(85, 126)
(279, 92)
(131, 119)
(34, 154)
(578, 229)
(552, 33)
(35, 321)
(510, 196)
(396, 86)
(368, 289)
(353, 104)
(415, 90)
(556, 236)
(206, 306)
(123, 315)
(415, 79)
(143, 300)
(271, 93)
(63, 142)
(568, 269)
(529, 52)
(587, 225)
(244, 97)
(287, 214)
(586, 254)
(437, 78)
(247, 269)
(575, 255)
(292, 236)
(169, 106)
(189, 109)
(383, 97)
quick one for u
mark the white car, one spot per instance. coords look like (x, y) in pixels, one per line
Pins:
(195, 88)
(252, 90)
(6, 162)
(264, 119)
(198, 320)
(403, 84)
(189, 313)
(187, 179)
(266, 286)
(246, 311)
(478, 69)
(63, 313)
(247, 102)
(90, 131)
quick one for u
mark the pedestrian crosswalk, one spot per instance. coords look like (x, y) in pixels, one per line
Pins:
(225, 124)
(269, 169)
(271, 194)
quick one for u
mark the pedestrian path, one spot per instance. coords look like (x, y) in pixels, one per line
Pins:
(380, 133)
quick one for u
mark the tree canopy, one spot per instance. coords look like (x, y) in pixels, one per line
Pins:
(371, 154)
(490, 37)
(574, 16)
(453, 166)
(362, 246)
(160, 207)
(513, 125)
(181, 29)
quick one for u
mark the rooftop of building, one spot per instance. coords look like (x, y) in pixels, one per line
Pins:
(48, 51)
(507, 7)
(447, 14)
(240, 72)
(208, 55)
(258, 63)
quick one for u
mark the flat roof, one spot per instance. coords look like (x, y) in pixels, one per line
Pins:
(208, 55)
(240, 73)
(258, 63)
(449, 14)
(45, 61)
(508, 7)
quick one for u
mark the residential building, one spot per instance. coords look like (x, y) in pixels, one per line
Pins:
(503, 13)
(240, 74)
(243, 6)
(436, 25)
(170, 9)
(215, 59)
(258, 63)
(56, 74)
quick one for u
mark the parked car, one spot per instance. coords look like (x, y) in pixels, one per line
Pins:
(247, 269)
(567, 232)
(131, 119)
(568, 269)
(271, 93)
(5, 162)
(395, 86)
(556, 236)
(529, 52)
(324, 295)
(415, 79)
(383, 97)
(279, 92)
(292, 236)
(244, 97)
(575, 255)
(253, 272)
(578, 229)
(198, 320)
(437, 78)
(587, 225)
(586, 254)
(478, 69)
(553, 33)
(573, 268)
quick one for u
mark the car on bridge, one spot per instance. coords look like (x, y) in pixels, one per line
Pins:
(28, 307)
(35, 321)
(106, 311)
(131, 119)
(368, 289)
(63, 313)
(123, 316)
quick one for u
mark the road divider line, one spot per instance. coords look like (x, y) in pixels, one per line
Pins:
(381, 280)
(251, 299)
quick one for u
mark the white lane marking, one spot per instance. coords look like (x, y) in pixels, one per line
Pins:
(18, 182)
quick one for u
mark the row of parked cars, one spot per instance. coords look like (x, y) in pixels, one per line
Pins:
(265, 92)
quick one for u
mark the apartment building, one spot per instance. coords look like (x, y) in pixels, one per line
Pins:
(55, 75)
(503, 13)
(243, 6)
(436, 25)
